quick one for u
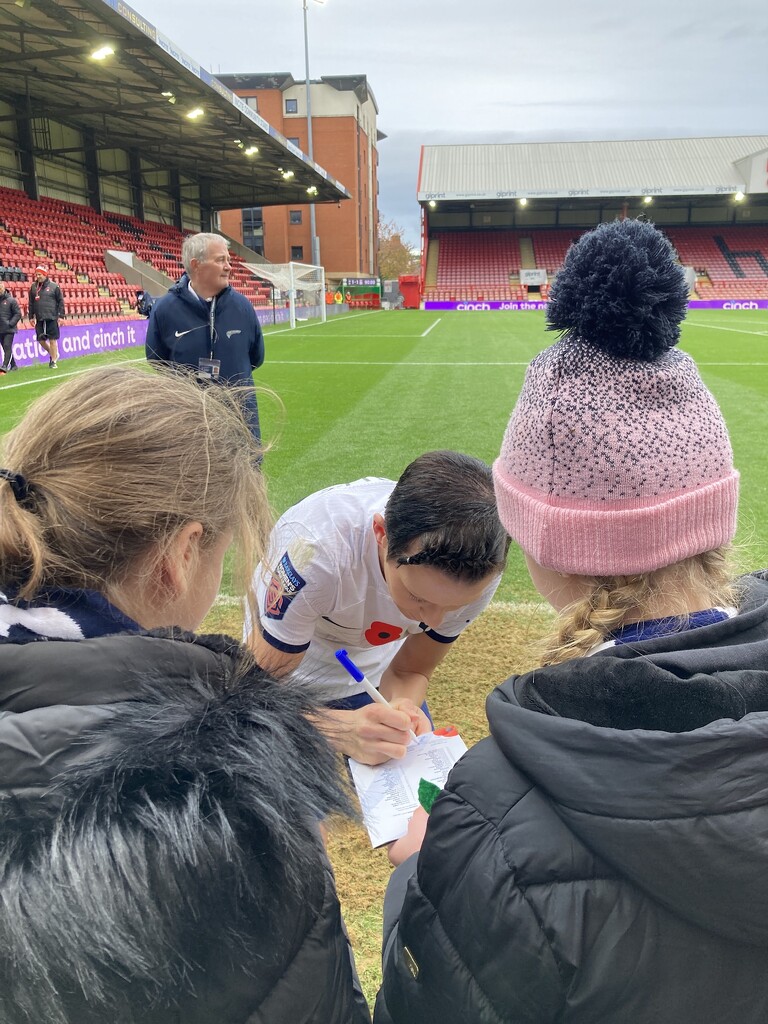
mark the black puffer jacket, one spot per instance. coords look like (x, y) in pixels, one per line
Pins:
(10, 313)
(603, 857)
(46, 301)
(159, 856)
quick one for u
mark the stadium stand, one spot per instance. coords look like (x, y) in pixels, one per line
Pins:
(730, 262)
(493, 210)
(73, 239)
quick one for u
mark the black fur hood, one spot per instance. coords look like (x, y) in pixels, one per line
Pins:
(159, 851)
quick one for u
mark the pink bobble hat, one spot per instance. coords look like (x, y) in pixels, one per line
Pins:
(616, 460)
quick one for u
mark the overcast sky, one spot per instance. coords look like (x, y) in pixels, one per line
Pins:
(496, 71)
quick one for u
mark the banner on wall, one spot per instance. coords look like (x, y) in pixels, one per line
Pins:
(536, 304)
(81, 340)
(113, 335)
(470, 306)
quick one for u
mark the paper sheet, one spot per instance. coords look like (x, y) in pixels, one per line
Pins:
(389, 792)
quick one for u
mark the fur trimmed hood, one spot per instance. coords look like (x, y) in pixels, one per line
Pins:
(159, 853)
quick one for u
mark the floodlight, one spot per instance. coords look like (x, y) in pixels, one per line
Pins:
(287, 175)
(523, 201)
(102, 52)
(195, 113)
(739, 197)
(252, 150)
(432, 203)
(312, 190)
(647, 200)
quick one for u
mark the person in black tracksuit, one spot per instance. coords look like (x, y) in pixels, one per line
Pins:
(46, 308)
(10, 314)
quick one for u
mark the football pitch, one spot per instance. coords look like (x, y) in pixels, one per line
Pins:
(364, 393)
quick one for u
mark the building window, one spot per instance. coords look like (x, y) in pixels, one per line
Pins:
(253, 229)
(294, 216)
(252, 102)
(297, 252)
(291, 106)
(295, 142)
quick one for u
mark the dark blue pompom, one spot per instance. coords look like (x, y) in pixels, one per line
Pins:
(621, 289)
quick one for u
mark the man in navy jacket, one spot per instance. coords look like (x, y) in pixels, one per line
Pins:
(204, 324)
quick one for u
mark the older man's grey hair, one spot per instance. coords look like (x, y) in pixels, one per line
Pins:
(195, 247)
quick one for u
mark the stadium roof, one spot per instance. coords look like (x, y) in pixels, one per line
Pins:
(139, 98)
(551, 170)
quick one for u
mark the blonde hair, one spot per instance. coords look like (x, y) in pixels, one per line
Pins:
(612, 601)
(118, 461)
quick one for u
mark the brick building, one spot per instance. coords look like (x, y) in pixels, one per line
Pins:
(345, 140)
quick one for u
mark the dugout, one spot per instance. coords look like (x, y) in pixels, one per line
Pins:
(498, 219)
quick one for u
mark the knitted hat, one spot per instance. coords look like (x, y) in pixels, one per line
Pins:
(41, 266)
(616, 459)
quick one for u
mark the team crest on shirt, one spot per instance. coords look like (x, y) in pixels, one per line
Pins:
(283, 587)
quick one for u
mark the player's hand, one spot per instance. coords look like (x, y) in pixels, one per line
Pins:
(419, 721)
(375, 733)
(410, 843)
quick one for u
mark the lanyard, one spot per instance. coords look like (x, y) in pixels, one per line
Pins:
(212, 324)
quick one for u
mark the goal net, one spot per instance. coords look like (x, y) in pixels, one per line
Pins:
(300, 286)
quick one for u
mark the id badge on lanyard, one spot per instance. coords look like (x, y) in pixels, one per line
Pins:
(210, 368)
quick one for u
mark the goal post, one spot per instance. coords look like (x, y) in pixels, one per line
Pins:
(299, 285)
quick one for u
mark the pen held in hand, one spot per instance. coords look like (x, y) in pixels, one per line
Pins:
(345, 660)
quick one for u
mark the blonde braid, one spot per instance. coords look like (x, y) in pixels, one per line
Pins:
(613, 601)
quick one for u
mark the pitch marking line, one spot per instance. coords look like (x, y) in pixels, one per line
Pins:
(509, 607)
(408, 363)
(59, 376)
(330, 320)
(425, 333)
(733, 330)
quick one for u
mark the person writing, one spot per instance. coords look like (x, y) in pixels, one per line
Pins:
(601, 856)
(392, 572)
(160, 794)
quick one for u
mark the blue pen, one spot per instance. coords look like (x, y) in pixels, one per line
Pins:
(345, 660)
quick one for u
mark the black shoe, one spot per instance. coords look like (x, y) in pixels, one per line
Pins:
(52, 364)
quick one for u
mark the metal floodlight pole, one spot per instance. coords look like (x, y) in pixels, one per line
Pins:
(312, 223)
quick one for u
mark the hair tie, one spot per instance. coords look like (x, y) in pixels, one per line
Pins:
(19, 485)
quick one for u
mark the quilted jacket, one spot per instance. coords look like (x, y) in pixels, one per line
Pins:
(601, 858)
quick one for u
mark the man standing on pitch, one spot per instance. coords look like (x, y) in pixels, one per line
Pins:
(46, 308)
(10, 314)
(204, 324)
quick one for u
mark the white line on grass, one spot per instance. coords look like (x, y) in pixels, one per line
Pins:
(408, 363)
(509, 607)
(331, 320)
(59, 376)
(734, 330)
(431, 326)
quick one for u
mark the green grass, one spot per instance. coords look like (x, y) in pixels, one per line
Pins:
(366, 393)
